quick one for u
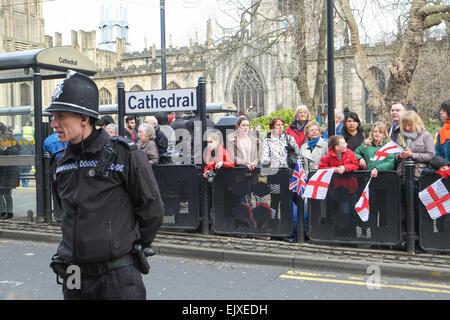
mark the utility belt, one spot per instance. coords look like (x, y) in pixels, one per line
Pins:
(96, 269)
(137, 257)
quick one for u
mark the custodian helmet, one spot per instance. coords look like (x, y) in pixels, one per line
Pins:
(77, 93)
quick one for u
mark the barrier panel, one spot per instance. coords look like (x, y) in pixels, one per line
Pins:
(179, 189)
(17, 185)
(335, 220)
(434, 235)
(252, 203)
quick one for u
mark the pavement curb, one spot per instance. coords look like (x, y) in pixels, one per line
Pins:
(317, 261)
(325, 264)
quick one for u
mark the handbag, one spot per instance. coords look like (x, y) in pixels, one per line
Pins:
(291, 155)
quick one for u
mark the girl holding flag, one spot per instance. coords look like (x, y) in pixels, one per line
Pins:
(365, 153)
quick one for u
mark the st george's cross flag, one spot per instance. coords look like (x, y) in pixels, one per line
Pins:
(317, 186)
(298, 180)
(436, 199)
(388, 148)
(362, 206)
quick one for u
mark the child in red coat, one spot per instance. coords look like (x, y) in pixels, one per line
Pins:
(216, 155)
(339, 156)
(343, 189)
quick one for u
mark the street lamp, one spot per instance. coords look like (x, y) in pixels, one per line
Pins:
(330, 68)
(163, 44)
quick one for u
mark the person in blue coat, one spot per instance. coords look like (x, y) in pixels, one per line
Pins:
(443, 137)
(53, 145)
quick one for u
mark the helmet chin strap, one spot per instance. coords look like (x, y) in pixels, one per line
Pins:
(83, 118)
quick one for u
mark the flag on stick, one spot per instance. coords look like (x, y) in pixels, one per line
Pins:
(298, 180)
(436, 199)
(317, 186)
(388, 148)
(362, 206)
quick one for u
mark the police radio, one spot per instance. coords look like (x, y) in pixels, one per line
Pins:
(107, 158)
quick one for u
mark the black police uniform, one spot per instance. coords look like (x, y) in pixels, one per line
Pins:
(104, 215)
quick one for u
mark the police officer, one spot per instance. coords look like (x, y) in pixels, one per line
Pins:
(108, 197)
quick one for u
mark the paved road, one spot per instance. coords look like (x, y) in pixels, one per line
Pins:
(25, 275)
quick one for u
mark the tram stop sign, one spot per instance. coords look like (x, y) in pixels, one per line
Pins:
(137, 102)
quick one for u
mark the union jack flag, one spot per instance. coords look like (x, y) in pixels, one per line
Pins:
(247, 203)
(298, 180)
(260, 202)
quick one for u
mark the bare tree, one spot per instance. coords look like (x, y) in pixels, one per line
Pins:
(301, 23)
(422, 15)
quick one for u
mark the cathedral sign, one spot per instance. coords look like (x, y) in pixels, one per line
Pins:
(161, 100)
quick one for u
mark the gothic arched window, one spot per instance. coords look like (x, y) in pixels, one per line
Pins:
(381, 81)
(136, 88)
(248, 90)
(173, 85)
(105, 96)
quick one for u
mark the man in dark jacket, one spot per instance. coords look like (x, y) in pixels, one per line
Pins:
(397, 110)
(108, 197)
(130, 132)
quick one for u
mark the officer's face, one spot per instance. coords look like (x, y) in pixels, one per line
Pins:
(69, 126)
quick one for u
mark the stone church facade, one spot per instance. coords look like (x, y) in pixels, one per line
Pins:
(245, 78)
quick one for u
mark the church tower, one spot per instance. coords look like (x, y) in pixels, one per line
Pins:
(113, 25)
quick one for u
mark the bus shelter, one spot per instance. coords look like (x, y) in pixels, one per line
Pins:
(36, 66)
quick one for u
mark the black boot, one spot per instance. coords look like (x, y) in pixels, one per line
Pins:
(9, 215)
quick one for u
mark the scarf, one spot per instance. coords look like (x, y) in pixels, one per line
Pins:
(410, 137)
(299, 126)
(444, 133)
(444, 174)
(312, 143)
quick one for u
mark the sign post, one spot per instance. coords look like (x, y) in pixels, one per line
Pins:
(201, 105)
(141, 103)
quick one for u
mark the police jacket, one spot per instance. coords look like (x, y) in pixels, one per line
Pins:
(104, 217)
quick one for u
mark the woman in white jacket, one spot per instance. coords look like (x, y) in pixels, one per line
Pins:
(274, 154)
(274, 148)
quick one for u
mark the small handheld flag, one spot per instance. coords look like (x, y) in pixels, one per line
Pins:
(436, 199)
(298, 180)
(317, 186)
(388, 148)
(362, 206)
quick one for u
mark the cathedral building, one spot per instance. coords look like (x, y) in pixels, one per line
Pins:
(246, 77)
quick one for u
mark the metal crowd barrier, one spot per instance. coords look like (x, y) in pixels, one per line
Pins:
(252, 203)
(334, 219)
(434, 235)
(179, 187)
